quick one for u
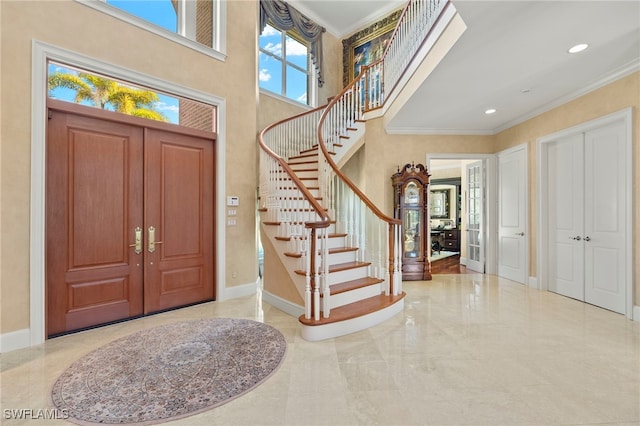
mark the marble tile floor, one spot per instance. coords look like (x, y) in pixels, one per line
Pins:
(467, 350)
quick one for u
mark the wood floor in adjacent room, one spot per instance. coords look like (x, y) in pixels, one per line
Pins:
(450, 265)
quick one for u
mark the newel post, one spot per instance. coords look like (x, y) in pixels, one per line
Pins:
(315, 302)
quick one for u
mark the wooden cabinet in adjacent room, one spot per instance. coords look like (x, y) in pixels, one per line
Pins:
(451, 240)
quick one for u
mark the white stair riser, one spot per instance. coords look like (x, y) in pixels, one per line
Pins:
(303, 174)
(347, 297)
(303, 166)
(303, 160)
(342, 257)
(347, 275)
(292, 193)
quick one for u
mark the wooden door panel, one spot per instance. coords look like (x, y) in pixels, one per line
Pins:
(179, 184)
(94, 188)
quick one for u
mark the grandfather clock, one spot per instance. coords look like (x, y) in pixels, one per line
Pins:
(411, 186)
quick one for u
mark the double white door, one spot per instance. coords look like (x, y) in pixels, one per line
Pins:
(587, 216)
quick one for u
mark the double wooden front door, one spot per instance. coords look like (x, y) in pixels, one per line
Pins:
(129, 219)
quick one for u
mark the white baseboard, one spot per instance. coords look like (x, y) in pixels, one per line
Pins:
(238, 291)
(282, 304)
(636, 313)
(533, 282)
(15, 340)
(463, 261)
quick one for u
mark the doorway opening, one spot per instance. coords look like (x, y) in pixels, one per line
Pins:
(461, 220)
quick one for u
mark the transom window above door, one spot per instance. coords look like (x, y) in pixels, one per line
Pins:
(71, 84)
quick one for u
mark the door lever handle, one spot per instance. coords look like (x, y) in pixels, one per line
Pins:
(587, 238)
(138, 240)
(577, 238)
(520, 234)
(152, 239)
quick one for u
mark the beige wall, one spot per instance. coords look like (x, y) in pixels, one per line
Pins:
(384, 153)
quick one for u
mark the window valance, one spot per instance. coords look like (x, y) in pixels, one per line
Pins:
(285, 17)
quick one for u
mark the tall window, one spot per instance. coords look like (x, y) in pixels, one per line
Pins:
(284, 65)
(200, 21)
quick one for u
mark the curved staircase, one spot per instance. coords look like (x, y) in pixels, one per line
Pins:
(334, 257)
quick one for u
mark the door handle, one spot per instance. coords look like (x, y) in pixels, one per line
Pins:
(152, 239)
(587, 238)
(577, 238)
(520, 234)
(138, 240)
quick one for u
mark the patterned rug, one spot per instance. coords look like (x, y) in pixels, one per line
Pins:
(170, 371)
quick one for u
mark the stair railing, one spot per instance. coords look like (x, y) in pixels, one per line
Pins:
(290, 204)
(377, 235)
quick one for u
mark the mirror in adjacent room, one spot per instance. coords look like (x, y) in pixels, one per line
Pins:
(439, 204)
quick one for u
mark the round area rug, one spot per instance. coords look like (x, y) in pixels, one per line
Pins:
(170, 371)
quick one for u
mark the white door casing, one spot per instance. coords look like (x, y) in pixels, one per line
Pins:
(513, 235)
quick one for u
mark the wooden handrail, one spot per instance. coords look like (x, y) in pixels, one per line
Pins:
(335, 168)
(326, 220)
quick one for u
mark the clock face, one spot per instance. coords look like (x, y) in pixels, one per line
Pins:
(411, 194)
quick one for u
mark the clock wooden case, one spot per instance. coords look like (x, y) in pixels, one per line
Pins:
(411, 195)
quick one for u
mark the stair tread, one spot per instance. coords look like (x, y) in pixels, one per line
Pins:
(340, 267)
(347, 265)
(355, 309)
(353, 284)
(289, 238)
(331, 251)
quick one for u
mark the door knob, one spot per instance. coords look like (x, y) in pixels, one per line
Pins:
(521, 234)
(587, 238)
(577, 238)
(152, 239)
(138, 240)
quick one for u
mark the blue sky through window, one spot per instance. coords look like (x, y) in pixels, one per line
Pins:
(159, 12)
(167, 105)
(270, 65)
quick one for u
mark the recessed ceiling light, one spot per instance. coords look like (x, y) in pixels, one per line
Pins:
(490, 111)
(578, 48)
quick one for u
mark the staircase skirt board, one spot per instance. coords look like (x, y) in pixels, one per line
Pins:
(348, 319)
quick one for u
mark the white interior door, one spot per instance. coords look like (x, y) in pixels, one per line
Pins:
(513, 237)
(605, 217)
(566, 200)
(475, 217)
(587, 210)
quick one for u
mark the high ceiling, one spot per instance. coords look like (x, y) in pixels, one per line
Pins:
(512, 57)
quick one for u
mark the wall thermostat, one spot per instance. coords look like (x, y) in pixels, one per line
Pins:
(233, 201)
